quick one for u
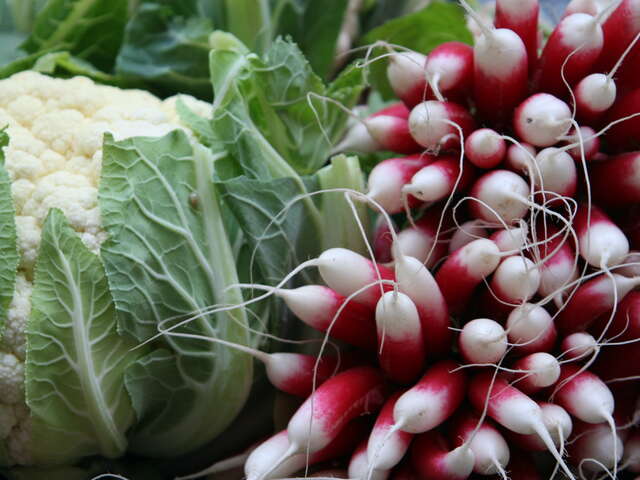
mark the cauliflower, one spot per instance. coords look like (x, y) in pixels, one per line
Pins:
(54, 160)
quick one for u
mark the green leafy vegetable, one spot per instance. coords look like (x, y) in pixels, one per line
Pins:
(76, 359)
(420, 31)
(168, 257)
(8, 245)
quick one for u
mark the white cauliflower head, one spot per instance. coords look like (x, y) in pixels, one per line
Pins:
(54, 159)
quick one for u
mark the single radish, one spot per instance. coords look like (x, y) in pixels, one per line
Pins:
(601, 242)
(542, 120)
(510, 239)
(557, 422)
(467, 233)
(521, 17)
(616, 181)
(432, 400)
(391, 133)
(434, 124)
(592, 299)
(519, 157)
(382, 239)
(512, 409)
(357, 139)
(422, 240)
(388, 177)
(500, 71)
(501, 196)
(555, 172)
(584, 395)
(407, 77)
(572, 48)
(556, 262)
(578, 345)
(387, 446)
(490, 450)
(449, 68)
(485, 148)
(482, 341)
(586, 143)
(318, 307)
(539, 370)
(401, 348)
(359, 465)
(440, 179)
(433, 458)
(594, 94)
(464, 270)
(347, 272)
(514, 282)
(595, 446)
(530, 329)
(326, 411)
(415, 280)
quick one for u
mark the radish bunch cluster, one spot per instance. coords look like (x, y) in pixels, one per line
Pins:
(503, 318)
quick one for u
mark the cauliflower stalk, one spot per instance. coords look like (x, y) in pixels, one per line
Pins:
(70, 383)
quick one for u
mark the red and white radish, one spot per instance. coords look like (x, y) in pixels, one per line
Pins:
(530, 329)
(407, 77)
(601, 242)
(434, 124)
(538, 370)
(449, 69)
(422, 240)
(433, 458)
(440, 179)
(616, 181)
(387, 446)
(482, 341)
(467, 233)
(485, 148)
(521, 17)
(578, 345)
(501, 197)
(542, 120)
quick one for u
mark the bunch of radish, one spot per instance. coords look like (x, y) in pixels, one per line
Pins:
(503, 319)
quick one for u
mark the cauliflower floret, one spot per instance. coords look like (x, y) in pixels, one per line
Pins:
(54, 158)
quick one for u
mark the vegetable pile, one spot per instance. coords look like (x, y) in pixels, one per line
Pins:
(502, 318)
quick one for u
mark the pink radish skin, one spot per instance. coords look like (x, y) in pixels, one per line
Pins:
(557, 266)
(595, 94)
(632, 265)
(294, 373)
(585, 396)
(542, 370)
(592, 299)
(317, 305)
(415, 280)
(385, 449)
(382, 240)
(531, 329)
(401, 349)
(418, 241)
(431, 458)
(512, 409)
(519, 157)
(320, 418)
(359, 465)
(397, 109)
(578, 345)
(388, 177)
(503, 191)
(595, 442)
(579, 32)
(392, 133)
(407, 77)
(510, 240)
(482, 341)
(556, 172)
(521, 17)
(616, 182)
(623, 136)
(467, 233)
(464, 270)
(600, 240)
(431, 126)
(346, 272)
(542, 120)
(450, 68)
(485, 148)
(437, 180)
(590, 147)
(626, 323)
(558, 424)
(490, 450)
(500, 74)
(432, 400)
